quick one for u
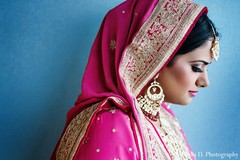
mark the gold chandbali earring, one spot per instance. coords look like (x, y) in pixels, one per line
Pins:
(150, 103)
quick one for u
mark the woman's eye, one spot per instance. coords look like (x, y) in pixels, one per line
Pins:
(196, 69)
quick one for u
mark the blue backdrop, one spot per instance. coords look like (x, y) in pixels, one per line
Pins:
(43, 52)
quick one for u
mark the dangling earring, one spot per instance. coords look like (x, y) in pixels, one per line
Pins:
(151, 102)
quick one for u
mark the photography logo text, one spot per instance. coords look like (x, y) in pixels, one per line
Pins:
(217, 155)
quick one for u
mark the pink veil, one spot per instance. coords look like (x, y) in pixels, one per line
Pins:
(101, 78)
(133, 44)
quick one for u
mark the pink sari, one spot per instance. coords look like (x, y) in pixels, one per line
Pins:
(135, 41)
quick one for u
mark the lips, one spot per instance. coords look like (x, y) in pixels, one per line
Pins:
(193, 93)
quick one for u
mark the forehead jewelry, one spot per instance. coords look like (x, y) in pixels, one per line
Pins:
(215, 46)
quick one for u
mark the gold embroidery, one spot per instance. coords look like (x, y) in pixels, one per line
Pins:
(156, 41)
(171, 137)
(117, 100)
(74, 133)
(156, 150)
(112, 45)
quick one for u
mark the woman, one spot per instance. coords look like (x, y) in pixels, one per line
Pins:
(147, 54)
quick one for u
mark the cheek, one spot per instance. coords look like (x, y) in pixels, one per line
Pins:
(183, 76)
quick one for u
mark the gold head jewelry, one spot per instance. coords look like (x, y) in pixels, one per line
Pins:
(215, 46)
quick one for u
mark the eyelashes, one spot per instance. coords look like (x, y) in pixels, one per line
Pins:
(197, 69)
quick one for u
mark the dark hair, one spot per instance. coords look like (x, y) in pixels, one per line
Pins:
(201, 32)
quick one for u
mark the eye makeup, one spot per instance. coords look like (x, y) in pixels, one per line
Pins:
(196, 66)
(196, 69)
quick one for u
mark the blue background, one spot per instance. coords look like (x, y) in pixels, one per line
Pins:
(44, 47)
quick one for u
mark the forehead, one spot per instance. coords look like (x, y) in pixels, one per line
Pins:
(201, 53)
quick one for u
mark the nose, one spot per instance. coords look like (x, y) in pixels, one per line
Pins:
(203, 80)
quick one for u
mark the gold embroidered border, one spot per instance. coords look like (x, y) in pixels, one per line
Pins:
(117, 100)
(156, 41)
(174, 140)
(74, 133)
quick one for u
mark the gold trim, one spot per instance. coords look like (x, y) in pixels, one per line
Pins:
(74, 133)
(156, 41)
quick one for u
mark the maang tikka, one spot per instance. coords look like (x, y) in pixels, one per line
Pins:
(150, 103)
(215, 45)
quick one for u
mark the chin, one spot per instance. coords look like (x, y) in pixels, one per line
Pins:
(182, 102)
(186, 102)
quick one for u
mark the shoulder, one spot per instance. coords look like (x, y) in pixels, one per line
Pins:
(110, 135)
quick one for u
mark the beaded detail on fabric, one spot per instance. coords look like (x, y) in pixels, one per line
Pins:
(170, 136)
(173, 138)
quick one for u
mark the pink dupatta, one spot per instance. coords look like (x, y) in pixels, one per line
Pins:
(135, 41)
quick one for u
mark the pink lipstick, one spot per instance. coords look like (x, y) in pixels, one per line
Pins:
(193, 93)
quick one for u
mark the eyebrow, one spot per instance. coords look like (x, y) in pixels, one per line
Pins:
(204, 62)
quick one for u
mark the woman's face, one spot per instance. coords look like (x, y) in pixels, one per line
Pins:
(181, 81)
